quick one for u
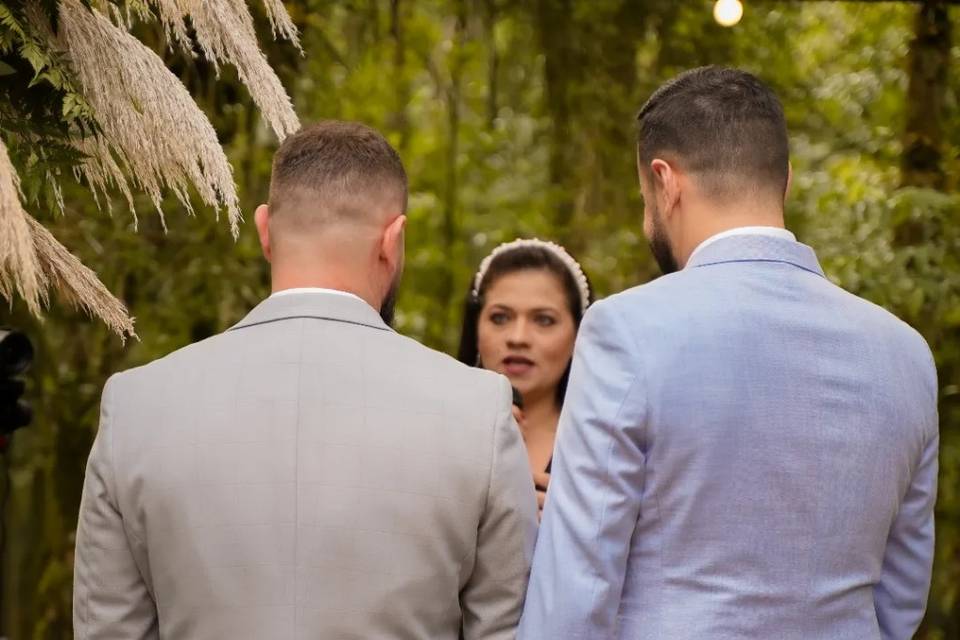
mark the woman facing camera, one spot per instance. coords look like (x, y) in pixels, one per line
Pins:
(522, 315)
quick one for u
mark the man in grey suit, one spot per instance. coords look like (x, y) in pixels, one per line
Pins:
(309, 473)
(746, 450)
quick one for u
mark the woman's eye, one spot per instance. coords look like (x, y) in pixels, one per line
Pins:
(498, 318)
(545, 321)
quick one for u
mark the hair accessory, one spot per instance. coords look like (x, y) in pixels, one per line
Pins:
(559, 252)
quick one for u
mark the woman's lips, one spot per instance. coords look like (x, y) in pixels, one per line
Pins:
(517, 365)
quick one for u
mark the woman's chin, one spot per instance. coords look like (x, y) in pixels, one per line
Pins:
(519, 383)
(529, 389)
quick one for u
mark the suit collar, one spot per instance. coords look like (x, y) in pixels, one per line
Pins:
(757, 248)
(321, 306)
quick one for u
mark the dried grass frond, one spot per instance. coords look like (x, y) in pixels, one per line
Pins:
(281, 23)
(32, 261)
(19, 269)
(102, 172)
(153, 131)
(173, 17)
(225, 32)
(125, 15)
(79, 284)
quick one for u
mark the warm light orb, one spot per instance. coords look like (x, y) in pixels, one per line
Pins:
(728, 12)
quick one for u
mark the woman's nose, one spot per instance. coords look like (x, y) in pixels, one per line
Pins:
(518, 334)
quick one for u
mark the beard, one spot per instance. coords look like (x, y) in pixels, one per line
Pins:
(660, 244)
(389, 304)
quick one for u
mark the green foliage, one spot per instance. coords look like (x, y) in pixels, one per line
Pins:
(42, 111)
(506, 130)
(40, 108)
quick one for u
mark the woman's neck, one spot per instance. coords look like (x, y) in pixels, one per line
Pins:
(541, 414)
(539, 426)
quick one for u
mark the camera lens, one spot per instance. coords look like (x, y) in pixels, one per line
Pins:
(16, 353)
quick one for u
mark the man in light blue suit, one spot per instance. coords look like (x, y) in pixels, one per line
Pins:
(746, 450)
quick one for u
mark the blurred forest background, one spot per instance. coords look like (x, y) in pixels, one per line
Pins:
(516, 118)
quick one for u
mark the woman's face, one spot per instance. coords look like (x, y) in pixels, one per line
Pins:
(526, 331)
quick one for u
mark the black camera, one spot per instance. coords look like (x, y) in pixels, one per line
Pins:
(16, 355)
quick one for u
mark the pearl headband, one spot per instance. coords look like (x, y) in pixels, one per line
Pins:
(559, 252)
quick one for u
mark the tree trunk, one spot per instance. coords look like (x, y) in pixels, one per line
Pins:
(451, 225)
(400, 119)
(493, 61)
(614, 179)
(561, 71)
(927, 63)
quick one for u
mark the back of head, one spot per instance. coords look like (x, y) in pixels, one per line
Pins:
(330, 174)
(723, 126)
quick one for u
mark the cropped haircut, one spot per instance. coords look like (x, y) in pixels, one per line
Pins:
(724, 125)
(340, 168)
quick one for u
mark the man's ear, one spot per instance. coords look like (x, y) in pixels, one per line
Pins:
(667, 182)
(391, 243)
(261, 218)
(786, 191)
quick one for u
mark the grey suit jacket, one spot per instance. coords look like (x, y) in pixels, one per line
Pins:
(307, 474)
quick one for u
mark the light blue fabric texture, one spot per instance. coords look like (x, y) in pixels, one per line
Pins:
(746, 451)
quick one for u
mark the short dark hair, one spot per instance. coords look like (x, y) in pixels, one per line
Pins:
(519, 259)
(340, 164)
(723, 124)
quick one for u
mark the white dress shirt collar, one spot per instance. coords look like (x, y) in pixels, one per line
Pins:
(774, 232)
(301, 290)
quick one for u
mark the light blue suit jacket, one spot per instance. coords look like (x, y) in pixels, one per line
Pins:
(745, 451)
